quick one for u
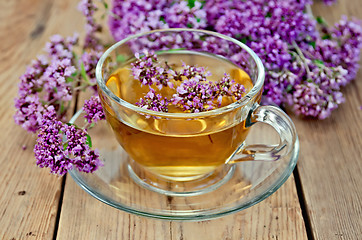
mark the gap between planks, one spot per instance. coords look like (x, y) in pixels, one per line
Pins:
(302, 204)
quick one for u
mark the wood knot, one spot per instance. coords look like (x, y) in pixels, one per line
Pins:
(21, 193)
(30, 234)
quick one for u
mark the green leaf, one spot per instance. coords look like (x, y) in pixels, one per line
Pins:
(321, 20)
(238, 35)
(84, 74)
(65, 146)
(268, 15)
(69, 79)
(39, 89)
(170, 50)
(62, 107)
(105, 5)
(203, 37)
(191, 3)
(309, 80)
(326, 36)
(312, 44)
(289, 88)
(202, 4)
(162, 19)
(89, 141)
(120, 58)
(189, 25)
(243, 40)
(318, 62)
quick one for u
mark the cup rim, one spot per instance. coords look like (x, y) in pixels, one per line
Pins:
(249, 96)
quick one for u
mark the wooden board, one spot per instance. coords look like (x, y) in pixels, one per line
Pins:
(330, 163)
(329, 166)
(29, 195)
(83, 217)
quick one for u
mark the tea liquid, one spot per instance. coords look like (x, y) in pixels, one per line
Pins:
(177, 148)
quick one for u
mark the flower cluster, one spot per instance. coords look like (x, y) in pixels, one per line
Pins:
(47, 79)
(62, 147)
(46, 91)
(93, 110)
(310, 98)
(282, 32)
(307, 64)
(193, 93)
(154, 102)
(228, 87)
(146, 70)
(185, 14)
(88, 8)
(133, 16)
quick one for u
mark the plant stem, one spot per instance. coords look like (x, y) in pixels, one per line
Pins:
(301, 56)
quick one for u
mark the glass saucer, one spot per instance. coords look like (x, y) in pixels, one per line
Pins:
(249, 183)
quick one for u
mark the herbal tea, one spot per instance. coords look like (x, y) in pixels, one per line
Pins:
(178, 147)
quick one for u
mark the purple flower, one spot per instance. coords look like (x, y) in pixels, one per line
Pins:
(61, 48)
(89, 60)
(129, 17)
(56, 86)
(340, 48)
(195, 95)
(181, 15)
(88, 8)
(93, 110)
(274, 52)
(281, 32)
(46, 81)
(146, 70)
(277, 85)
(329, 78)
(227, 87)
(154, 102)
(349, 36)
(254, 20)
(61, 147)
(29, 112)
(310, 100)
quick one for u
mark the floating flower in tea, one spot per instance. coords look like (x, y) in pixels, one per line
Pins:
(193, 92)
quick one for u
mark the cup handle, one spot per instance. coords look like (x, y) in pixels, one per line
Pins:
(280, 121)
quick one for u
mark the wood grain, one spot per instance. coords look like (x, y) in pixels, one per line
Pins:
(29, 195)
(330, 163)
(329, 167)
(83, 217)
(277, 217)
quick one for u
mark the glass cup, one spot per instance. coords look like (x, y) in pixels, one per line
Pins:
(189, 153)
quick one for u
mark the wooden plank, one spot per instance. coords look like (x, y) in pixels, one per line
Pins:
(29, 195)
(83, 217)
(277, 217)
(330, 163)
